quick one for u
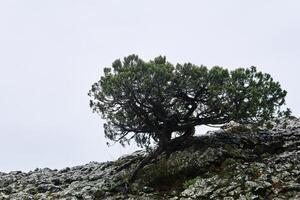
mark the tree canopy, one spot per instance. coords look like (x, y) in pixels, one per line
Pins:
(158, 100)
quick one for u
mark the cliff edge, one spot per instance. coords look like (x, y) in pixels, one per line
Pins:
(230, 163)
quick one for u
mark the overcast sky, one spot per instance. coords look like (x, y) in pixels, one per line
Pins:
(52, 51)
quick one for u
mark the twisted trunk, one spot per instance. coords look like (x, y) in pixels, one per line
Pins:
(164, 139)
(165, 144)
(144, 162)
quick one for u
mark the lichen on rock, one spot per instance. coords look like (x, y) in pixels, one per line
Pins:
(227, 164)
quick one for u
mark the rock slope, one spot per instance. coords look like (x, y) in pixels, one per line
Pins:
(231, 163)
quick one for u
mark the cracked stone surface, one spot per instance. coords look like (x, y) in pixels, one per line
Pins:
(230, 163)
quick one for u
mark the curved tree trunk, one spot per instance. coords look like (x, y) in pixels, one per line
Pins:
(165, 144)
(144, 162)
(164, 139)
(179, 141)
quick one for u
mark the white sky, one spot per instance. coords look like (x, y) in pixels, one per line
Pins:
(52, 51)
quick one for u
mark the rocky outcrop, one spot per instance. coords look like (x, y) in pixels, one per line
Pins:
(231, 163)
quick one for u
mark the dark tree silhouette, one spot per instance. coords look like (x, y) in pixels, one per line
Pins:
(152, 100)
(164, 102)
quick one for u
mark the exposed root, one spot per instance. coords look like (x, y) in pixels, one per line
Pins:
(144, 162)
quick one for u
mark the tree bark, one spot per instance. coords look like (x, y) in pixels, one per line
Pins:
(164, 139)
(178, 142)
(165, 144)
(144, 162)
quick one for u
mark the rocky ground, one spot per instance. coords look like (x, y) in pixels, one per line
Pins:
(234, 163)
